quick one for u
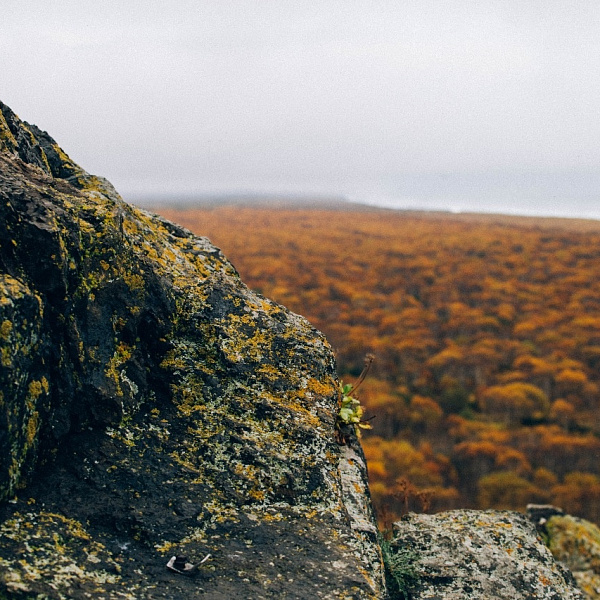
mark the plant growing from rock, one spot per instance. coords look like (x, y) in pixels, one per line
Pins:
(351, 410)
(400, 568)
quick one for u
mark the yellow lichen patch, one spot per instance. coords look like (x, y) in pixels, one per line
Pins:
(219, 512)
(325, 389)
(35, 389)
(32, 429)
(122, 354)
(6, 357)
(269, 516)
(173, 361)
(58, 550)
(180, 458)
(5, 329)
(134, 281)
(165, 547)
(258, 495)
(239, 346)
(246, 471)
(290, 402)
(270, 371)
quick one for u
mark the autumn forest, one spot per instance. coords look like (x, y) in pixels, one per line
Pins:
(485, 391)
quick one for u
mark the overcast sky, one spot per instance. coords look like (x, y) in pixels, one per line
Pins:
(456, 104)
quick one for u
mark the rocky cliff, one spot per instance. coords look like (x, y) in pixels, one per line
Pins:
(165, 432)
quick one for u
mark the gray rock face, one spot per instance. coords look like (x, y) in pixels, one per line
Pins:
(471, 555)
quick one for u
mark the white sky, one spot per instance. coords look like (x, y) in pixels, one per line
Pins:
(425, 101)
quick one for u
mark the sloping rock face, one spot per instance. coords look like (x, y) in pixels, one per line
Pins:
(152, 406)
(576, 543)
(477, 555)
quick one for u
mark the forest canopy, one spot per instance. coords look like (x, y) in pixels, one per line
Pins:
(486, 387)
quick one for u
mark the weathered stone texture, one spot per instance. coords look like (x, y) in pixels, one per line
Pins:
(479, 555)
(152, 405)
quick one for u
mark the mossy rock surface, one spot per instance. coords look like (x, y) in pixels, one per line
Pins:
(576, 543)
(152, 405)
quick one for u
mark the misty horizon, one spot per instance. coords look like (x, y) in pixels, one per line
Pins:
(538, 194)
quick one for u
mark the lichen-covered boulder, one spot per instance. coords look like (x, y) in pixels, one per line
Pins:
(152, 406)
(476, 555)
(576, 543)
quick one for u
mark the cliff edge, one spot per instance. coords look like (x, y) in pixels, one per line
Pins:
(152, 406)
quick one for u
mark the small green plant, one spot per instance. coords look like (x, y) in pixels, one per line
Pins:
(351, 411)
(400, 569)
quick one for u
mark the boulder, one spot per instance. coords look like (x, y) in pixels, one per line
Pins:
(475, 555)
(154, 411)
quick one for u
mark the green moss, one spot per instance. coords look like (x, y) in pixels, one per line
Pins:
(575, 542)
(401, 569)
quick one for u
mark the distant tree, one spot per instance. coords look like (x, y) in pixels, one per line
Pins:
(539, 371)
(425, 414)
(570, 381)
(562, 452)
(515, 403)
(388, 406)
(506, 490)
(563, 413)
(579, 495)
(474, 460)
(544, 479)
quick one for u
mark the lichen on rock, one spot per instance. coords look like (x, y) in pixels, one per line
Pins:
(478, 555)
(153, 405)
(576, 543)
(23, 386)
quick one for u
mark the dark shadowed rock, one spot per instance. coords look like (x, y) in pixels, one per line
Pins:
(478, 555)
(541, 513)
(152, 406)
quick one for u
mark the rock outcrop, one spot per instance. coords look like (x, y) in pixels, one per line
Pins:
(477, 555)
(152, 406)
